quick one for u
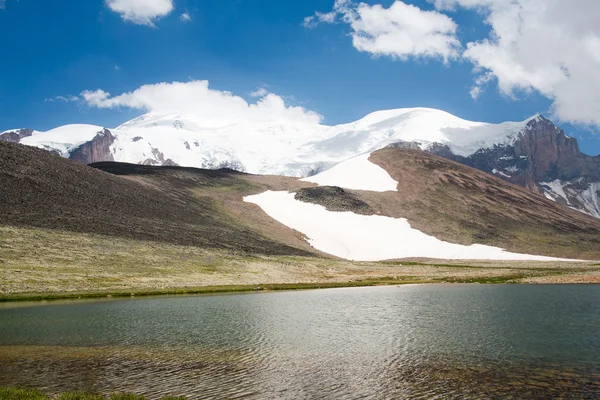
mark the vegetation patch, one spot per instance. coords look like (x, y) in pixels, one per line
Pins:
(210, 289)
(334, 198)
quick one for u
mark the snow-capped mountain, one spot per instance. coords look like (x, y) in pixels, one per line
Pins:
(277, 148)
(531, 153)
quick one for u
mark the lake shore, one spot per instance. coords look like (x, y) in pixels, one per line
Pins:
(47, 265)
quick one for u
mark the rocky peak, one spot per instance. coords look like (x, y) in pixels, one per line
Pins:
(542, 159)
(552, 153)
(16, 135)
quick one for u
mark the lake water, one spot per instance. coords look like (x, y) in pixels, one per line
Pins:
(426, 341)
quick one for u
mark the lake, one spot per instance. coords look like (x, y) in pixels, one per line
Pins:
(418, 341)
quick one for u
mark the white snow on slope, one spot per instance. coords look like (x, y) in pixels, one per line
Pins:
(282, 148)
(556, 189)
(563, 193)
(356, 173)
(10, 131)
(64, 139)
(369, 238)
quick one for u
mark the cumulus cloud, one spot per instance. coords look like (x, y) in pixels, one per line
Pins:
(551, 47)
(400, 31)
(548, 46)
(210, 107)
(141, 12)
(185, 17)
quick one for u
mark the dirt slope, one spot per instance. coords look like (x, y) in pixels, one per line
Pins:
(46, 191)
(461, 204)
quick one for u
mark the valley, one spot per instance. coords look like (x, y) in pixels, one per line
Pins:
(70, 230)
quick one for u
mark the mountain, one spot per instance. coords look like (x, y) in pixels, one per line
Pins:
(543, 159)
(410, 204)
(534, 153)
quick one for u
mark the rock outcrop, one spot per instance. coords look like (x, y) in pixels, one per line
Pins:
(16, 135)
(96, 150)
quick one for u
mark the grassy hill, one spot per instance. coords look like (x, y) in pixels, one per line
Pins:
(463, 205)
(46, 191)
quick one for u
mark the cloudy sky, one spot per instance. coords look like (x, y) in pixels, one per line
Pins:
(316, 61)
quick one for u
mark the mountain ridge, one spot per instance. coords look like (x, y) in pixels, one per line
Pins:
(534, 153)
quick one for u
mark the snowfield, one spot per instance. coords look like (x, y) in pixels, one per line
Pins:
(370, 238)
(356, 173)
(289, 148)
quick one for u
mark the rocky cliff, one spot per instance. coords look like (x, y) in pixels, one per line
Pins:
(96, 150)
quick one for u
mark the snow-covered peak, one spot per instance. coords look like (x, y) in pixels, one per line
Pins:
(279, 147)
(63, 139)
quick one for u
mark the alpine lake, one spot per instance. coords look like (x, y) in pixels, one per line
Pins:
(448, 341)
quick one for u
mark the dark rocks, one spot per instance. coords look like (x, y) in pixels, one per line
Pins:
(334, 198)
(96, 150)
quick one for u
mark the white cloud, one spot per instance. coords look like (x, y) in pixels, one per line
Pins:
(185, 17)
(548, 46)
(260, 92)
(211, 107)
(141, 12)
(400, 31)
(65, 99)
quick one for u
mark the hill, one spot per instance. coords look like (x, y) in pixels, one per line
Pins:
(206, 208)
(42, 190)
(444, 203)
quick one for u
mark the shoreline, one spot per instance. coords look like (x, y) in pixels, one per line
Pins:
(271, 287)
(42, 298)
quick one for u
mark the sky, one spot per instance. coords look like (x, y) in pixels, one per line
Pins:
(105, 62)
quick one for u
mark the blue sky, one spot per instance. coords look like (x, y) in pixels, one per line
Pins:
(62, 48)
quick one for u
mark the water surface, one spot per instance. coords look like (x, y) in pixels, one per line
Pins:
(425, 341)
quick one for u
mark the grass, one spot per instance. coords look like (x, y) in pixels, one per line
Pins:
(21, 394)
(30, 394)
(38, 264)
(209, 290)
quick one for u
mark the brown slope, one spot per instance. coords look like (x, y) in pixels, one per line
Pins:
(39, 189)
(461, 204)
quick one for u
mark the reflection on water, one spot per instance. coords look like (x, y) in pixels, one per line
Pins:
(438, 341)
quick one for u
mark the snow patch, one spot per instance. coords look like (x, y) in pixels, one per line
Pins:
(589, 199)
(369, 238)
(496, 172)
(356, 173)
(557, 188)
